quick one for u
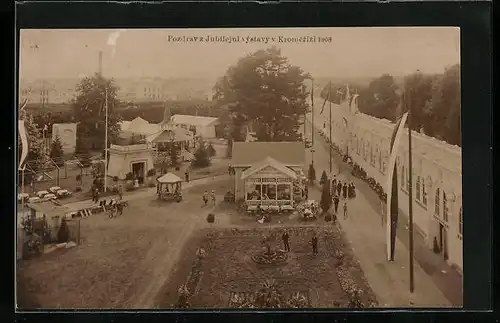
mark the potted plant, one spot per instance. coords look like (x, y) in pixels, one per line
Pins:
(151, 174)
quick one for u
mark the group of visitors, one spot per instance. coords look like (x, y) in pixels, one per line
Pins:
(346, 190)
(206, 197)
(285, 237)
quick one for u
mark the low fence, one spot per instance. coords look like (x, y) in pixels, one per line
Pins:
(74, 228)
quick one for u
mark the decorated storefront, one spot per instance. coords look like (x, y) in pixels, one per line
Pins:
(269, 183)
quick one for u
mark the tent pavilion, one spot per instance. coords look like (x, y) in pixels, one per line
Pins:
(201, 126)
(182, 138)
(169, 186)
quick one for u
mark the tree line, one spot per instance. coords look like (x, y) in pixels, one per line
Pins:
(434, 100)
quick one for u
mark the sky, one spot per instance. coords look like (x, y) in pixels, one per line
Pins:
(347, 52)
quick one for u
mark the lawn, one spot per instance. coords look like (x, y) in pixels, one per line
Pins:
(121, 262)
(327, 279)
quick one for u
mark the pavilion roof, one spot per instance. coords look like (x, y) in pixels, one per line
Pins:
(179, 134)
(268, 162)
(169, 178)
(194, 120)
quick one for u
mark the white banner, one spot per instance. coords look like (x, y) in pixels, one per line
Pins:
(24, 143)
(395, 142)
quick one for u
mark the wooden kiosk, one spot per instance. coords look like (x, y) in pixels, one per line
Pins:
(169, 188)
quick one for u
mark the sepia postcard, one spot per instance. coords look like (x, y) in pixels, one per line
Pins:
(239, 168)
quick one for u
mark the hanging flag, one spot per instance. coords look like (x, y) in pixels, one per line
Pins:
(391, 222)
(24, 144)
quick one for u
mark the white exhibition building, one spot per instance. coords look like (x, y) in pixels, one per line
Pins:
(437, 171)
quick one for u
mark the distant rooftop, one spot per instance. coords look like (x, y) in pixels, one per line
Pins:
(250, 153)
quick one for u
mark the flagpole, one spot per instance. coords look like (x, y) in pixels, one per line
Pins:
(330, 105)
(312, 120)
(106, 142)
(410, 198)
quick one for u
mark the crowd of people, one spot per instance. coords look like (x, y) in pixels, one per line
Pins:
(342, 190)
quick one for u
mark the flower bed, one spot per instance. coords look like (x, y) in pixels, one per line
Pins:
(224, 272)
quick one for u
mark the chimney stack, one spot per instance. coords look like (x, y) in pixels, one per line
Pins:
(100, 63)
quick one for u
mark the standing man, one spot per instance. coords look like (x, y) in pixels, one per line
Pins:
(285, 239)
(120, 191)
(314, 243)
(186, 175)
(334, 184)
(336, 201)
(213, 197)
(339, 188)
(344, 191)
(345, 210)
(205, 198)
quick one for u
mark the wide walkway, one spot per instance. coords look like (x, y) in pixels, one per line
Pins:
(145, 192)
(365, 232)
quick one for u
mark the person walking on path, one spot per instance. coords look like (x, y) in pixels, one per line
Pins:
(345, 210)
(334, 185)
(336, 201)
(205, 198)
(213, 197)
(186, 176)
(344, 191)
(285, 237)
(120, 191)
(339, 188)
(314, 243)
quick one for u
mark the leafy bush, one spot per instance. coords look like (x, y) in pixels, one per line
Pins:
(328, 218)
(311, 173)
(211, 218)
(151, 172)
(129, 176)
(211, 150)
(63, 234)
(115, 179)
(324, 178)
(201, 157)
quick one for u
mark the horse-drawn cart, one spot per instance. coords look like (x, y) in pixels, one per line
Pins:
(168, 188)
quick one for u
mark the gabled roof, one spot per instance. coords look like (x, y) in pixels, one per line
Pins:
(193, 120)
(250, 153)
(169, 178)
(165, 135)
(48, 208)
(268, 162)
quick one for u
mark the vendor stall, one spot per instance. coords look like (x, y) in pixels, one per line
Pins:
(269, 185)
(169, 188)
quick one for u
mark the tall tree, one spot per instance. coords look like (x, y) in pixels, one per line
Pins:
(56, 151)
(265, 89)
(380, 99)
(418, 95)
(89, 110)
(446, 106)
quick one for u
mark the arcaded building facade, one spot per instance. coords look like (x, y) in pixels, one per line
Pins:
(436, 170)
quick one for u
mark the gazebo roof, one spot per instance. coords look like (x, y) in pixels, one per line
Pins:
(166, 136)
(169, 178)
(268, 162)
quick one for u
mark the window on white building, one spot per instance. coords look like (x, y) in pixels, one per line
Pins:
(380, 164)
(445, 207)
(437, 203)
(460, 222)
(424, 193)
(403, 177)
(417, 189)
(407, 179)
